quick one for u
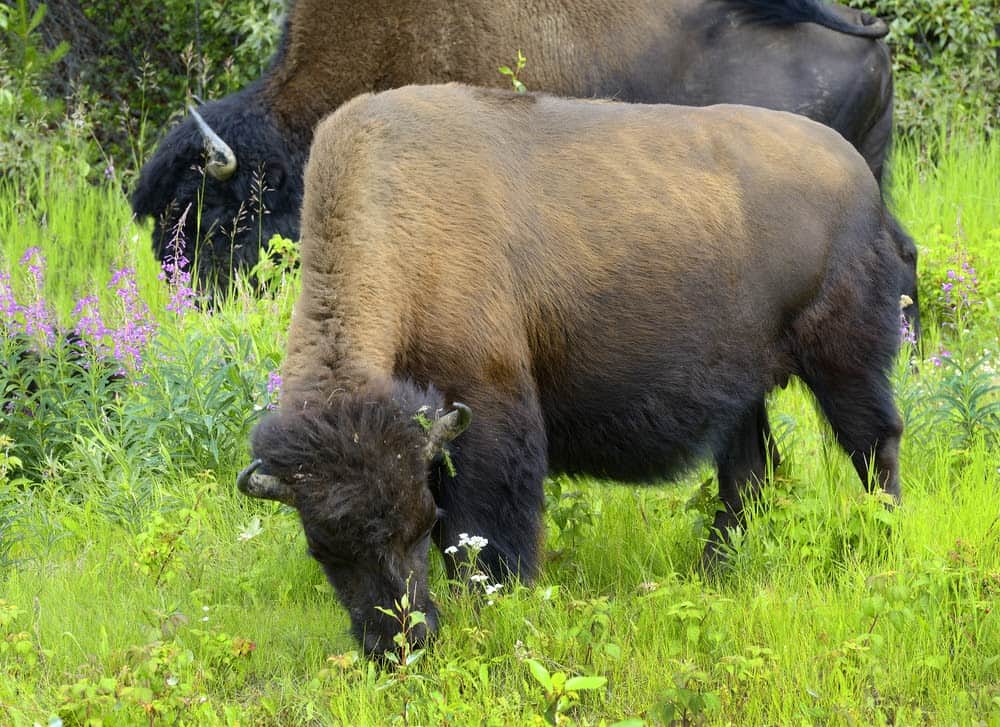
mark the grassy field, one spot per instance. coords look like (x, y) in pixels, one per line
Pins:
(138, 587)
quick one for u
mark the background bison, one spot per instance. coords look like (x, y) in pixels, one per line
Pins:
(695, 52)
(613, 293)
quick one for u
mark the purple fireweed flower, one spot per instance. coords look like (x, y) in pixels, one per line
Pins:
(175, 271)
(130, 340)
(960, 288)
(34, 262)
(90, 325)
(38, 321)
(10, 309)
(273, 389)
(906, 332)
(942, 354)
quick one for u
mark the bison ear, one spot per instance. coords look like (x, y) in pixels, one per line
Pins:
(253, 483)
(446, 428)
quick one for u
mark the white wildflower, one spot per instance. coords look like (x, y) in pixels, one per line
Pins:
(450, 550)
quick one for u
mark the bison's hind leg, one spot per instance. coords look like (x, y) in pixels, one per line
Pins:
(846, 348)
(744, 461)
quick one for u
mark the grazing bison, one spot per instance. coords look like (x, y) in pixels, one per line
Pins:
(252, 144)
(608, 288)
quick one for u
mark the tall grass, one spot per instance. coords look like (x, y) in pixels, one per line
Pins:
(138, 587)
(84, 230)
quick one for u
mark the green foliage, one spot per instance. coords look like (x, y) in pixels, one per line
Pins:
(945, 60)
(572, 514)
(27, 62)
(969, 401)
(26, 111)
(514, 73)
(561, 692)
(690, 699)
(156, 54)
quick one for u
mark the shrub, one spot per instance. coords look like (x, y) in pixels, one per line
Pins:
(946, 59)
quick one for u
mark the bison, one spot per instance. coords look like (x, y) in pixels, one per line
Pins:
(607, 288)
(239, 160)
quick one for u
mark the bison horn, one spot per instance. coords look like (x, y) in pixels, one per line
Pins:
(267, 487)
(446, 428)
(221, 159)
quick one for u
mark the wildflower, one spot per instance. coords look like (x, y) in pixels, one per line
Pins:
(474, 542)
(175, 270)
(273, 388)
(478, 577)
(520, 651)
(9, 307)
(90, 325)
(109, 171)
(906, 332)
(38, 320)
(131, 339)
(450, 550)
(942, 354)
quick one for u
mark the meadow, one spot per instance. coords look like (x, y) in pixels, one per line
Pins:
(137, 586)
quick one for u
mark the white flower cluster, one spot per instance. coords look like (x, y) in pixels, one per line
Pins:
(472, 543)
(475, 542)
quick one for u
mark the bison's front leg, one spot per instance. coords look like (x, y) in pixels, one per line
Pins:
(743, 464)
(496, 492)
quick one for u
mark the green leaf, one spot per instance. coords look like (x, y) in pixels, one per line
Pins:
(579, 684)
(541, 674)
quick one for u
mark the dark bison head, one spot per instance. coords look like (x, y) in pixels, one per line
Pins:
(357, 472)
(220, 185)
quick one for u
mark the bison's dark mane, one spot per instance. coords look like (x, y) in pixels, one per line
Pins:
(787, 12)
(364, 444)
(295, 440)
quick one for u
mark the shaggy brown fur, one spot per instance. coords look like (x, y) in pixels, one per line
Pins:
(613, 293)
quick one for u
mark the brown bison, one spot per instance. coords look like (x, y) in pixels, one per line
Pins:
(820, 60)
(608, 288)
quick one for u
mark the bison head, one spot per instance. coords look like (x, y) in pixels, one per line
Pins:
(220, 185)
(357, 472)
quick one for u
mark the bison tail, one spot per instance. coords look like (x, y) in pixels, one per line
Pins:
(786, 12)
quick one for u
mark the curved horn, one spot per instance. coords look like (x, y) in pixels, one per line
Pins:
(446, 428)
(221, 159)
(267, 487)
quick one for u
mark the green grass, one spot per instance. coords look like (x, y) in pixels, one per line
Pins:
(138, 587)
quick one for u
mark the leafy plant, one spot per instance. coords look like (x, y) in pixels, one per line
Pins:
(968, 400)
(561, 692)
(513, 73)
(689, 700)
(944, 59)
